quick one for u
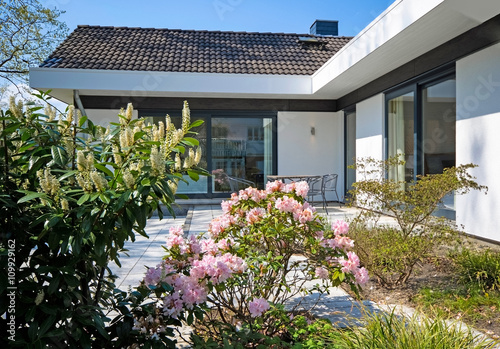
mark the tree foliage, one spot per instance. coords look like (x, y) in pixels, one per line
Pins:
(29, 32)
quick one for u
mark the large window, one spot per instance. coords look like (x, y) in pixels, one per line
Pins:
(420, 126)
(239, 149)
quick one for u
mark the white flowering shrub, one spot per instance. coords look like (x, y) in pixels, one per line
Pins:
(238, 278)
(71, 194)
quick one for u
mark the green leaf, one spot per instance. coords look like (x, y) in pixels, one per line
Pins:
(139, 135)
(193, 175)
(82, 120)
(100, 245)
(46, 325)
(32, 195)
(32, 331)
(84, 198)
(67, 174)
(59, 155)
(196, 123)
(104, 169)
(104, 198)
(54, 284)
(180, 149)
(190, 141)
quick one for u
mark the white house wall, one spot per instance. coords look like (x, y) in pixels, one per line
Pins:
(301, 153)
(478, 140)
(370, 128)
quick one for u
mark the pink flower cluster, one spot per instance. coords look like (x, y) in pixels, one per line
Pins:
(301, 212)
(255, 215)
(351, 265)
(287, 204)
(258, 306)
(192, 265)
(340, 240)
(301, 188)
(220, 224)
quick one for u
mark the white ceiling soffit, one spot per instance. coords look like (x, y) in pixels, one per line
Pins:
(406, 30)
(167, 84)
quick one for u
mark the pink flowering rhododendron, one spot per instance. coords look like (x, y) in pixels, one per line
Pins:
(321, 273)
(340, 227)
(192, 265)
(264, 239)
(257, 307)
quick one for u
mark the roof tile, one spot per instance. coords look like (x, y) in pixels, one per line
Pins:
(148, 49)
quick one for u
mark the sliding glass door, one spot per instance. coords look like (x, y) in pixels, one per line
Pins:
(239, 149)
(420, 128)
(242, 149)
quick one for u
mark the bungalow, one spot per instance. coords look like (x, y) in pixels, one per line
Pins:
(422, 79)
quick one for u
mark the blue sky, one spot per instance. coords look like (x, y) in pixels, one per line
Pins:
(288, 16)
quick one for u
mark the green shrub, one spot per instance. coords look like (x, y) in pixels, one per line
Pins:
(478, 270)
(71, 194)
(391, 331)
(317, 334)
(389, 255)
(392, 252)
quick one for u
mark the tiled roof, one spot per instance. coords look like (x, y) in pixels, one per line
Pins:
(146, 49)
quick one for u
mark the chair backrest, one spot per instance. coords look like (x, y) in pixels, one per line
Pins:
(330, 182)
(315, 183)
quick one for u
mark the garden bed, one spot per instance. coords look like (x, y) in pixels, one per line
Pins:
(434, 289)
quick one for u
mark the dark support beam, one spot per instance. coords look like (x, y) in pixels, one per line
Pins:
(117, 102)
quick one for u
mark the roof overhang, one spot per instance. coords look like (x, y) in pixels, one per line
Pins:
(62, 82)
(405, 31)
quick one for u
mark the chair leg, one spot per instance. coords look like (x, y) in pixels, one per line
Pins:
(325, 206)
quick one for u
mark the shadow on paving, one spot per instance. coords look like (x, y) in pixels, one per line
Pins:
(338, 307)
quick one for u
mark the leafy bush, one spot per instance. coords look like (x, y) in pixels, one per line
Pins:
(243, 273)
(478, 270)
(389, 255)
(71, 194)
(314, 334)
(388, 330)
(391, 252)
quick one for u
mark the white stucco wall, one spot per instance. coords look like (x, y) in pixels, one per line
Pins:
(301, 153)
(478, 139)
(104, 116)
(370, 128)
